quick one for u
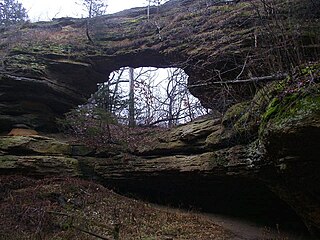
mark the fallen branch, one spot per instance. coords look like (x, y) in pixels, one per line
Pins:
(250, 80)
(91, 233)
(59, 213)
(164, 120)
(80, 229)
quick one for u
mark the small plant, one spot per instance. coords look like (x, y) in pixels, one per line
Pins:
(99, 129)
(93, 126)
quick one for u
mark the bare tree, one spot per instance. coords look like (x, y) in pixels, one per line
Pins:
(146, 97)
(131, 98)
(93, 9)
(153, 2)
(110, 95)
(156, 21)
(165, 101)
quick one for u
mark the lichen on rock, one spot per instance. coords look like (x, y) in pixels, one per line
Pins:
(270, 135)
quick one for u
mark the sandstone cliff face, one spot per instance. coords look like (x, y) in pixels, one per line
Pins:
(227, 161)
(50, 67)
(270, 137)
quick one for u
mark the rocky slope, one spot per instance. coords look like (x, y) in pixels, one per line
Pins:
(268, 139)
(64, 208)
(269, 142)
(49, 67)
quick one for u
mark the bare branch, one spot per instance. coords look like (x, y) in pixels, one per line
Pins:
(91, 233)
(250, 80)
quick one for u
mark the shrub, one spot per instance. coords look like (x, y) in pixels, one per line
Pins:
(100, 129)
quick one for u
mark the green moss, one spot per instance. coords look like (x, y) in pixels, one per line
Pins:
(14, 141)
(7, 162)
(293, 109)
(310, 69)
(36, 144)
(25, 63)
(225, 8)
(234, 113)
(262, 98)
(50, 147)
(136, 20)
(41, 164)
(271, 110)
(243, 123)
(301, 109)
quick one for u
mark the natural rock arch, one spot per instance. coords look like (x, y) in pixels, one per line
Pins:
(50, 67)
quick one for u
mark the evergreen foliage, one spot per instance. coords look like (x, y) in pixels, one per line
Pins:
(12, 12)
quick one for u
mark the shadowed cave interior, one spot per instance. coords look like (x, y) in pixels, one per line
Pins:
(244, 199)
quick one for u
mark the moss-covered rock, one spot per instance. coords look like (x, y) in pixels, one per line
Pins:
(291, 125)
(185, 138)
(292, 111)
(234, 113)
(34, 144)
(290, 132)
(39, 166)
(295, 103)
(54, 64)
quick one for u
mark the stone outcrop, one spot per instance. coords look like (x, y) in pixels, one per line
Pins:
(269, 138)
(36, 156)
(205, 156)
(50, 67)
(272, 139)
(291, 138)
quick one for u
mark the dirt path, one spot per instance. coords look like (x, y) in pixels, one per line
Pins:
(244, 229)
(248, 230)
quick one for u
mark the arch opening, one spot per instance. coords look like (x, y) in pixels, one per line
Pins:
(147, 96)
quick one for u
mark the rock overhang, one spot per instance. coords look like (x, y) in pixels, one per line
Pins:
(212, 43)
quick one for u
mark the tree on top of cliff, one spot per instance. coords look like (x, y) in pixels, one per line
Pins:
(94, 8)
(154, 2)
(12, 12)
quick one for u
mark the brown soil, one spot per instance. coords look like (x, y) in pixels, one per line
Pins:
(63, 208)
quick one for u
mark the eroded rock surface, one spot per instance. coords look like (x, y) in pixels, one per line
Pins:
(49, 67)
(271, 137)
(282, 154)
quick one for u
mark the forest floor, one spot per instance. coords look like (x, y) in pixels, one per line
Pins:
(246, 229)
(250, 230)
(67, 208)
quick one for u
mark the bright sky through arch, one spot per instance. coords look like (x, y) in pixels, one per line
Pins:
(45, 10)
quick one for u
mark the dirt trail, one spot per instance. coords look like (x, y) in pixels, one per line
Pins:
(248, 230)
(244, 229)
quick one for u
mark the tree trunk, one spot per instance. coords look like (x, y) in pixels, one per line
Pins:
(88, 24)
(131, 98)
(170, 112)
(148, 10)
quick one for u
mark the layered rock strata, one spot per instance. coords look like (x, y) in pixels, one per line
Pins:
(50, 67)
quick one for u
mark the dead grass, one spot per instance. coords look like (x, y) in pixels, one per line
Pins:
(62, 208)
